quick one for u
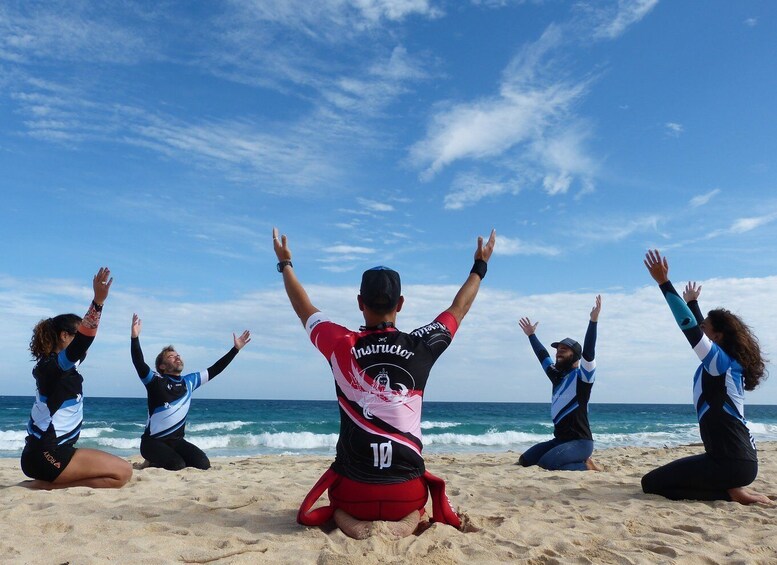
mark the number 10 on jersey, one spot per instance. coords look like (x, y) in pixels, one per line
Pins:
(381, 453)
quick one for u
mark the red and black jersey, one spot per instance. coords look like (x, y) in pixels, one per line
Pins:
(380, 376)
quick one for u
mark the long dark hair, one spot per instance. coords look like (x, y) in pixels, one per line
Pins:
(740, 343)
(45, 334)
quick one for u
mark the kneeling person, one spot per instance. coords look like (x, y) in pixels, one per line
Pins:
(572, 443)
(169, 398)
(380, 374)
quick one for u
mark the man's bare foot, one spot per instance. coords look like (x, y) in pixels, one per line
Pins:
(406, 526)
(592, 465)
(747, 496)
(144, 465)
(351, 527)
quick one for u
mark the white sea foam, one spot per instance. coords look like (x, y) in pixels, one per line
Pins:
(119, 442)
(442, 425)
(12, 440)
(228, 426)
(301, 441)
(95, 432)
(491, 438)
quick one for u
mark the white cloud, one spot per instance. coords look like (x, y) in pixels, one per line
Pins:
(374, 205)
(674, 129)
(703, 199)
(743, 225)
(529, 125)
(349, 250)
(513, 246)
(751, 22)
(469, 188)
(627, 13)
(70, 31)
(638, 339)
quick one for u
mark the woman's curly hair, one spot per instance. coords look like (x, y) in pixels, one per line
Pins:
(45, 334)
(740, 343)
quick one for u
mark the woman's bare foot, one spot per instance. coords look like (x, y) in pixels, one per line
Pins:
(351, 527)
(592, 465)
(747, 496)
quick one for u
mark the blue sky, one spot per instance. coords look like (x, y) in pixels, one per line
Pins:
(165, 139)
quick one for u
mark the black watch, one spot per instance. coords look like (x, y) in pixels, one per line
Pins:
(283, 264)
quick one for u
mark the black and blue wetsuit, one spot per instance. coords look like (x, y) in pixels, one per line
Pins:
(572, 442)
(169, 398)
(730, 458)
(58, 410)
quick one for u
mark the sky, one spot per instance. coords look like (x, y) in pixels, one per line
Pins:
(165, 140)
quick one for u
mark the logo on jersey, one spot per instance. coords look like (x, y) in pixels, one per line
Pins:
(381, 392)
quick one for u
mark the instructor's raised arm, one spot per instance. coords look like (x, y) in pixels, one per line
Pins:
(294, 289)
(469, 290)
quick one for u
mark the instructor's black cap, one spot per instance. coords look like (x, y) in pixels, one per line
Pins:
(380, 289)
(571, 344)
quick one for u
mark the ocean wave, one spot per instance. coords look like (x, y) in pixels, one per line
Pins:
(12, 440)
(119, 442)
(442, 425)
(280, 440)
(95, 432)
(490, 438)
(229, 426)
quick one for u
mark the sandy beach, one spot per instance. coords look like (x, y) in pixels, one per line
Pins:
(243, 510)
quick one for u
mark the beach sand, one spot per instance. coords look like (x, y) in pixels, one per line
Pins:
(243, 510)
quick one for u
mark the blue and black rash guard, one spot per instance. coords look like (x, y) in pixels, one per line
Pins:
(58, 411)
(571, 390)
(718, 387)
(169, 396)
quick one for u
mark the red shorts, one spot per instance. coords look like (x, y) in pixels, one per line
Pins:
(366, 501)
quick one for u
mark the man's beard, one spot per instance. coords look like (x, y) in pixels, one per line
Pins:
(564, 365)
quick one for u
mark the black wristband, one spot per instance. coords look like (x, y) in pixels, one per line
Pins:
(98, 307)
(479, 268)
(283, 264)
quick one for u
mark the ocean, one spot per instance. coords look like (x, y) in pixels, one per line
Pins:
(259, 427)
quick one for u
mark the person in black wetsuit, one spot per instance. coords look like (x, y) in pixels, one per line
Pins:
(59, 345)
(572, 443)
(169, 397)
(731, 363)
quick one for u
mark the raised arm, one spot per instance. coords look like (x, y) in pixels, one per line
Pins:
(469, 290)
(691, 297)
(221, 364)
(87, 329)
(589, 344)
(539, 350)
(658, 267)
(294, 289)
(136, 353)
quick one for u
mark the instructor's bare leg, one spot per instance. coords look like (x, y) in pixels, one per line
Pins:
(350, 526)
(406, 526)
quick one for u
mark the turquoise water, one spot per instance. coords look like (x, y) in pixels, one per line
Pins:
(256, 427)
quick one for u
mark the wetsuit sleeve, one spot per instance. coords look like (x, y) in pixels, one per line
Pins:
(589, 344)
(542, 354)
(694, 307)
(84, 337)
(682, 314)
(222, 363)
(144, 371)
